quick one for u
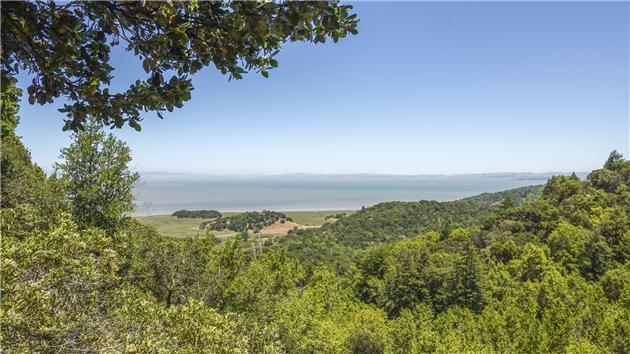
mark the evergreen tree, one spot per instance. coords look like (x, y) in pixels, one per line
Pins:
(613, 160)
(469, 288)
(507, 203)
(596, 257)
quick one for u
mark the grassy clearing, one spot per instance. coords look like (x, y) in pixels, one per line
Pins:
(173, 227)
(313, 218)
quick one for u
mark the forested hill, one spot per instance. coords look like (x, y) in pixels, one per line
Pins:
(391, 221)
(518, 195)
(396, 220)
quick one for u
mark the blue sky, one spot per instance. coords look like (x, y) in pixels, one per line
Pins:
(424, 88)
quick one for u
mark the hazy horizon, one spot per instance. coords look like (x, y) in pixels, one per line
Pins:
(369, 174)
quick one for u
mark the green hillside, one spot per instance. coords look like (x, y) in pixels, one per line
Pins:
(518, 195)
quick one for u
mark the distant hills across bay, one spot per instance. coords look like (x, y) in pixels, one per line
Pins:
(182, 176)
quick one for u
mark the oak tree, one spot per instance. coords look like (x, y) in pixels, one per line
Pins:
(66, 46)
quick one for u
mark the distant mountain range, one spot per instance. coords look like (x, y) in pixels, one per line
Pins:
(183, 176)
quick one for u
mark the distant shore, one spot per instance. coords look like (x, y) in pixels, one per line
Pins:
(181, 176)
(164, 196)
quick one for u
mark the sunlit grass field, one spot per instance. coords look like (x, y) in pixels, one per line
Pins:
(174, 227)
(313, 218)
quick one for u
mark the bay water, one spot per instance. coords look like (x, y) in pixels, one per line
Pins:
(159, 197)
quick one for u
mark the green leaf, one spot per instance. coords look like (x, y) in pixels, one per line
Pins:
(273, 62)
(137, 127)
(265, 73)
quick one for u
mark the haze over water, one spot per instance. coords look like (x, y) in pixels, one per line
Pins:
(304, 194)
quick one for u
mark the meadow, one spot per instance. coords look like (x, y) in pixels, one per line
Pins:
(184, 227)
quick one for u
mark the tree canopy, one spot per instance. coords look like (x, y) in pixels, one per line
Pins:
(99, 183)
(204, 214)
(66, 46)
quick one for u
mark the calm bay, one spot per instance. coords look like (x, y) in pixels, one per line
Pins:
(158, 197)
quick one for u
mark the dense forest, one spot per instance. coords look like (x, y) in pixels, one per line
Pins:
(196, 214)
(245, 221)
(80, 275)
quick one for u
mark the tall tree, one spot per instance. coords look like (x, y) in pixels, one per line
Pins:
(507, 203)
(470, 284)
(100, 184)
(66, 47)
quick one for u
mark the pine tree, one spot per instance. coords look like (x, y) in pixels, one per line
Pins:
(469, 288)
(507, 203)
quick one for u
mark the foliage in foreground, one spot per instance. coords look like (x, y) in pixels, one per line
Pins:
(66, 46)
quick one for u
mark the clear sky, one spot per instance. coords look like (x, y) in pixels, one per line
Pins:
(424, 88)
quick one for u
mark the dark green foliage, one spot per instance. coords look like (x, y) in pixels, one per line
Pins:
(596, 257)
(365, 342)
(244, 221)
(507, 203)
(66, 45)
(202, 214)
(469, 284)
(615, 281)
(407, 281)
(504, 252)
(337, 216)
(29, 198)
(616, 172)
(335, 243)
(518, 195)
(393, 221)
